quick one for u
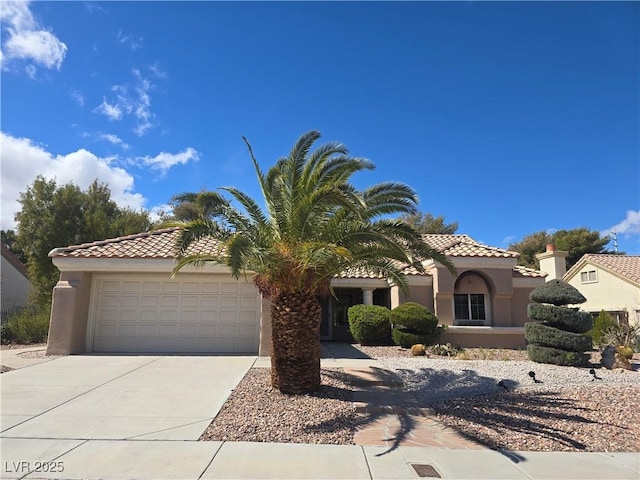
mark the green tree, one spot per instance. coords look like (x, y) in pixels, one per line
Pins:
(11, 241)
(427, 223)
(55, 216)
(529, 247)
(577, 242)
(314, 225)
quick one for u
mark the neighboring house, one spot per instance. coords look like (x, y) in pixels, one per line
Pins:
(118, 296)
(15, 281)
(610, 283)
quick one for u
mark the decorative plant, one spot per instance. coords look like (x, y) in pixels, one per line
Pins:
(369, 324)
(414, 323)
(556, 334)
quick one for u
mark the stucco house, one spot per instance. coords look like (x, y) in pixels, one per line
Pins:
(610, 283)
(15, 284)
(117, 295)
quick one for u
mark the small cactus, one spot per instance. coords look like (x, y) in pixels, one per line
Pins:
(626, 352)
(418, 350)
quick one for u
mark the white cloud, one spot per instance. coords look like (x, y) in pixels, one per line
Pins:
(22, 161)
(114, 139)
(78, 98)
(164, 161)
(157, 212)
(129, 40)
(27, 40)
(112, 112)
(31, 71)
(132, 100)
(627, 227)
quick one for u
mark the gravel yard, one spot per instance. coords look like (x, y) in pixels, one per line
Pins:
(569, 411)
(255, 412)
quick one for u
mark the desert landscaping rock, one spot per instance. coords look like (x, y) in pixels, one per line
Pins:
(256, 412)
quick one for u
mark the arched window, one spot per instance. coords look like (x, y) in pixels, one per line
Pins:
(471, 301)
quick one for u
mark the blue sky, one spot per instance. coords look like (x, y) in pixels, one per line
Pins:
(507, 117)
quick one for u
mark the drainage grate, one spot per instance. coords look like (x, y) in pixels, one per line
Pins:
(425, 470)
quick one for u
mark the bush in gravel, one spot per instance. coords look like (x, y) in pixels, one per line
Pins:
(554, 336)
(547, 336)
(446, 350)
(556, 356)
(414, 323)
(603, 324)
(369, 324)
(30, 325)
(569, 319)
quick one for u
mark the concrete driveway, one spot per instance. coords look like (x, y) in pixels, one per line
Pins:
(118, 397)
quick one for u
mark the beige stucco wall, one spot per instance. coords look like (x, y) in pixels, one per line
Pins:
(14, 286)
(519, 302)
(264, 349)
(69, 313)
(610, 293)
(485, 337)
(422, 294)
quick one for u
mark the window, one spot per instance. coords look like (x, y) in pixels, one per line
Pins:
(588, 277)
(469, 309)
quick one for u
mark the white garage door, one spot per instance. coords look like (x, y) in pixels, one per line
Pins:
(212, 313)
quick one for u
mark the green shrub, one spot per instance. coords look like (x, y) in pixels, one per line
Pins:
(545, 336)
(603, 325)
(569, 319)
(622, 335)
(414, 317)
(558, 293)
(27, 326)
(446, 350)
(406, 338)
(555, 356)
(369, 324)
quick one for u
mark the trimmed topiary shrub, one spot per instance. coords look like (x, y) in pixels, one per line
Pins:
(414, 317)
(557, 292)
(556, 356)
(407, 339)
(554, 335)
(369, 324)
(414, 323)
(541, 334)
(569, 319)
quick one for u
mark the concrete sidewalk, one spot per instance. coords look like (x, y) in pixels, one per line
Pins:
(111, 431)
(131, 459)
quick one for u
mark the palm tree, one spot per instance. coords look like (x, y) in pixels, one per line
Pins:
(314, 225)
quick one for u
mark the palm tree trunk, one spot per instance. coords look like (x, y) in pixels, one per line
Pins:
(295, 342)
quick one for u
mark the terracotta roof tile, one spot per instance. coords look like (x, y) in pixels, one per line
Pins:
(13, 259)
(161, 244)
(158, 244)
(519, 271)
(626, 266)
(465, 246)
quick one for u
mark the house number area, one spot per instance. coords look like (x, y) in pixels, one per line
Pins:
(22, 466)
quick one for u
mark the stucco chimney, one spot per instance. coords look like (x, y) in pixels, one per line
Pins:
(553, 262)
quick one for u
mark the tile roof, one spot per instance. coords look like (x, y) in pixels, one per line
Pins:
(519, 271)
(626, 266)
(465, 246)
(157, 244)
(161, 244)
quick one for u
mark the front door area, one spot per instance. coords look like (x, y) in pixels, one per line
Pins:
(335, 321)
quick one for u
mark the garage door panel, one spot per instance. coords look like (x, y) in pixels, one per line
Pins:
(209, 287)
(138, 314)
(209, 301)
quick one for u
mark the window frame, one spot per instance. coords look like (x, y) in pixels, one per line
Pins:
(589, 278)
(471, 322)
